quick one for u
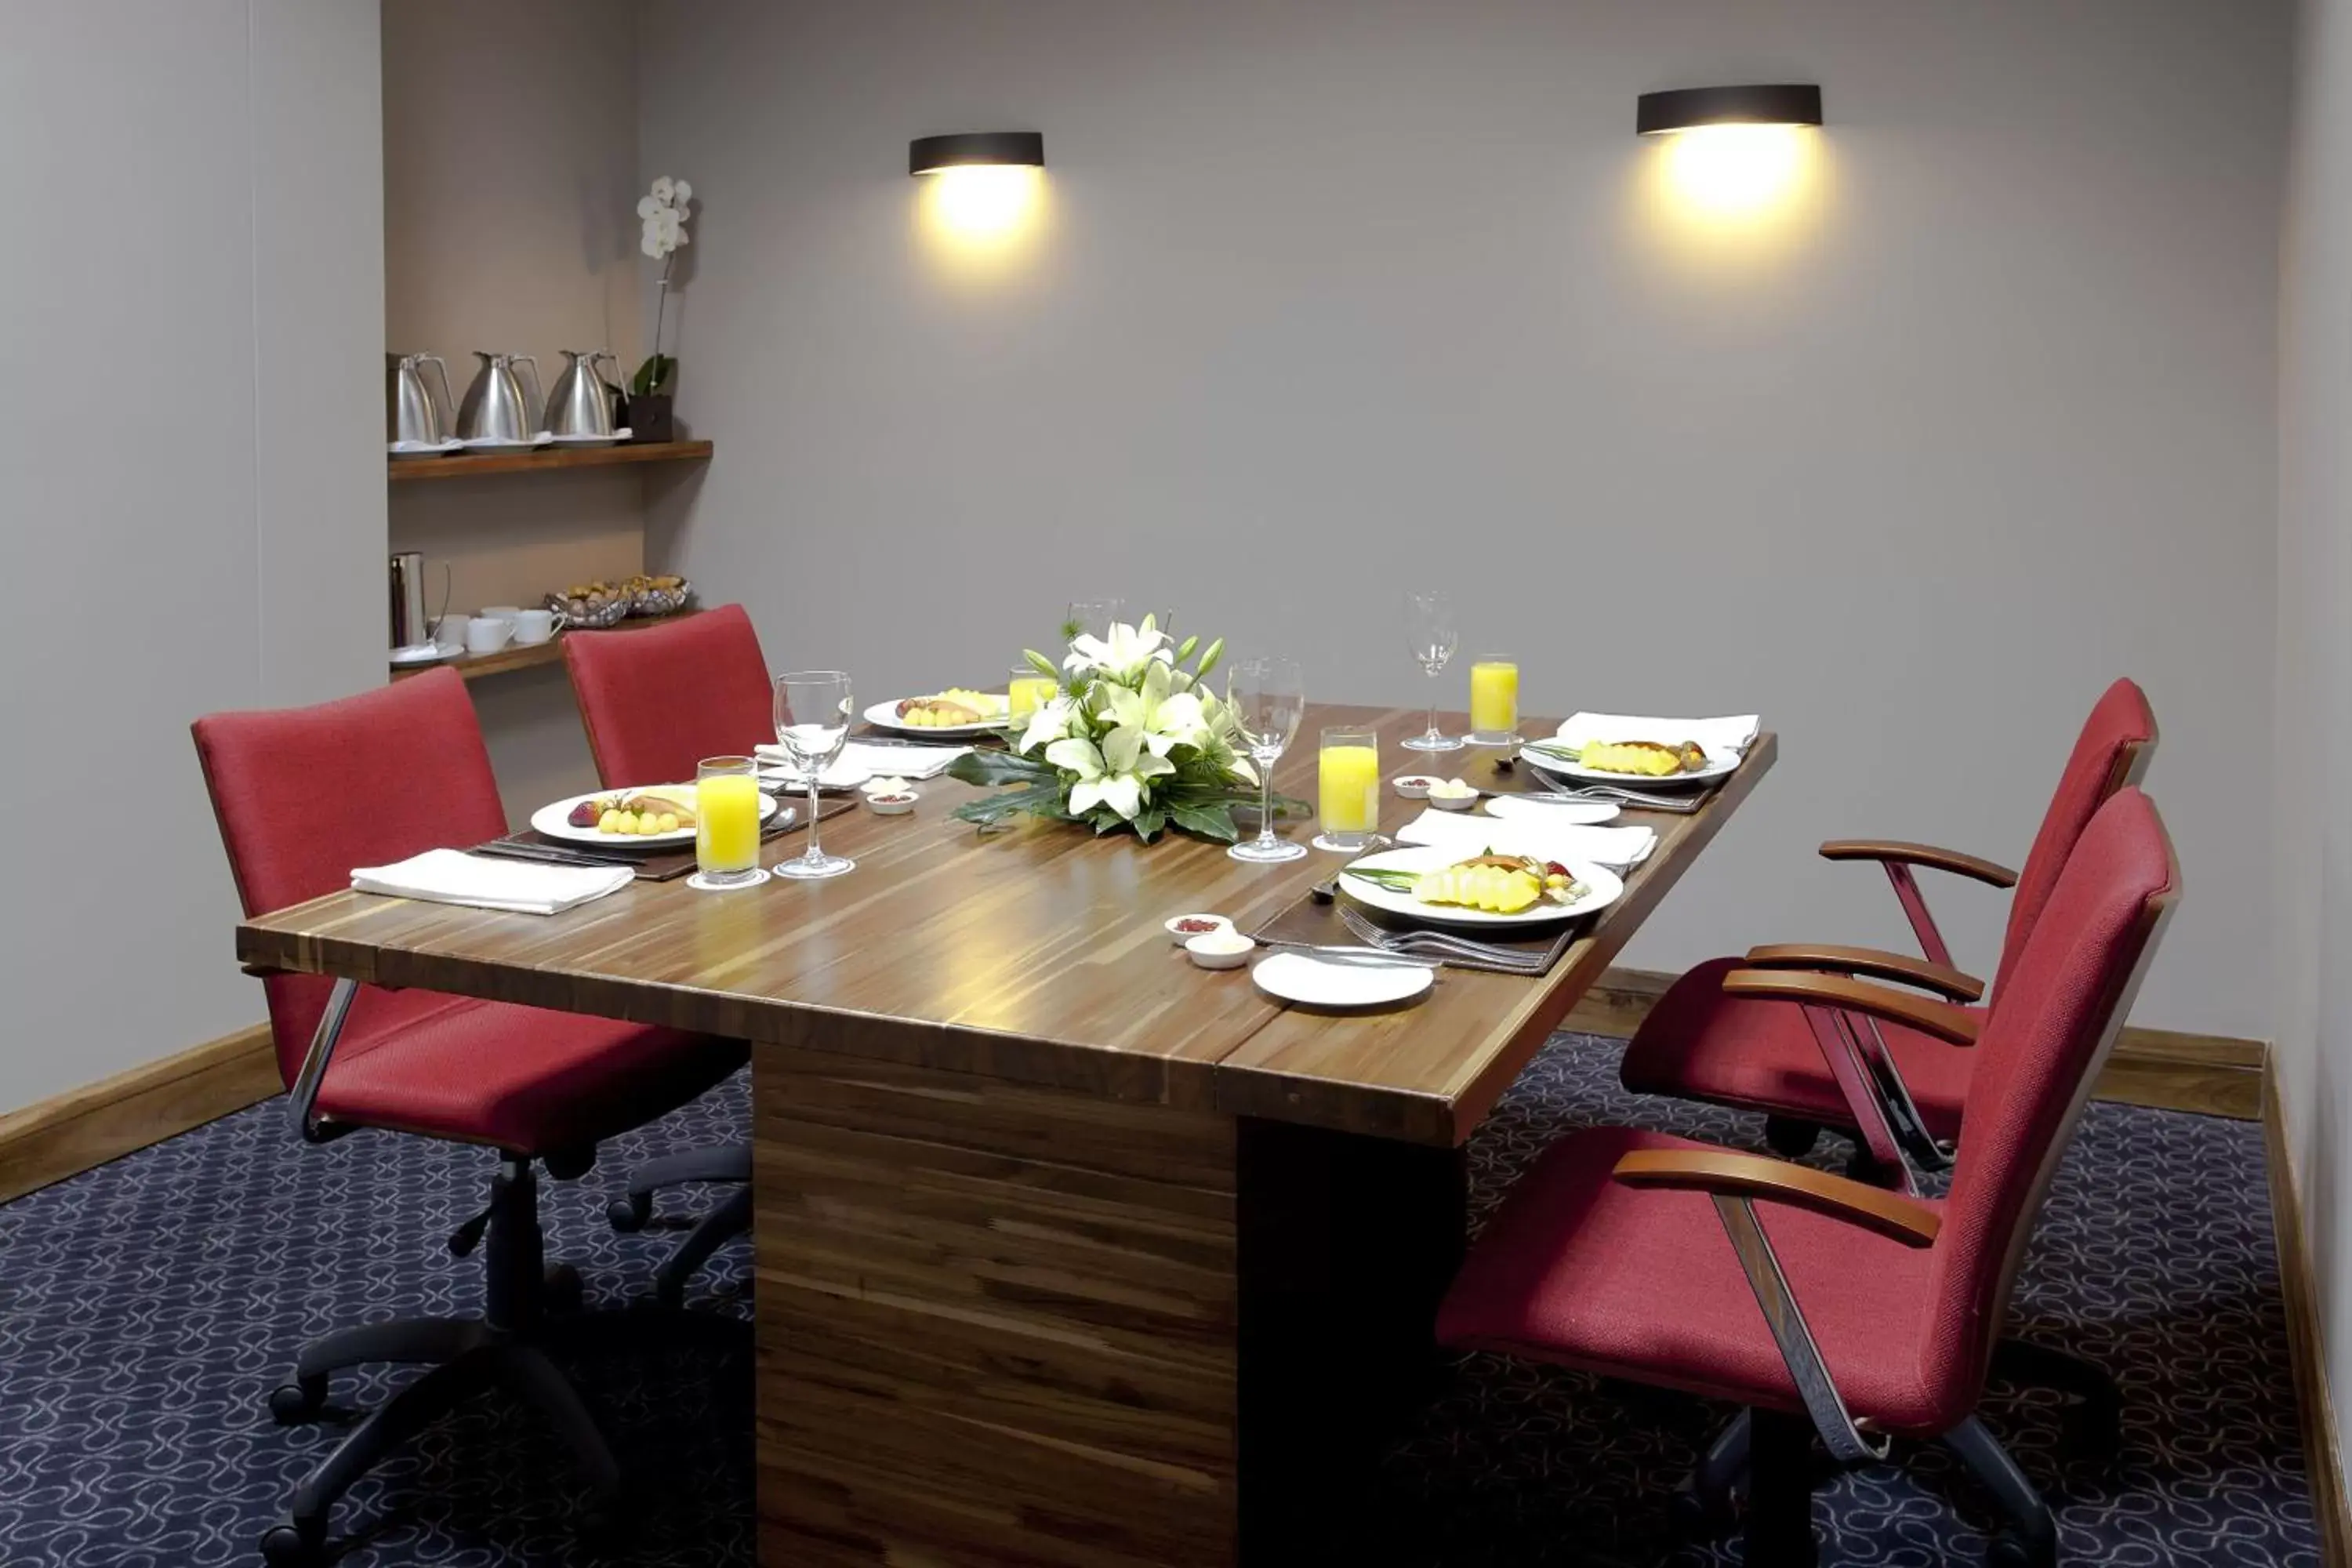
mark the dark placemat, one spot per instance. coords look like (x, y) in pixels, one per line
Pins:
(671, 863)
(1318, 923)
(1496, 769)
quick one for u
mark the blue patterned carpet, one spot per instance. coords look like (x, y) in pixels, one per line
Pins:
(146, 1309)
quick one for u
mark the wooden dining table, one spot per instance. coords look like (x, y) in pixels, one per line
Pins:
(1066, 1251)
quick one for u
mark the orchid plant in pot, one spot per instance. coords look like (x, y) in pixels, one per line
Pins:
(661, 218)
(1131, 739)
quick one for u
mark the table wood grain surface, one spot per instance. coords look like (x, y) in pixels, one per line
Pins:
(1033, 954)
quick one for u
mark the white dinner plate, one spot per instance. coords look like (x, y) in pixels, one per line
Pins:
(884, 716)
(1297, 977)
(1560, 767)
(550, 820)
(1603, 888)
(419, 653)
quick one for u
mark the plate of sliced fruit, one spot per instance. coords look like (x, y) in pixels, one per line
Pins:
(658, 815)
(1444, 887)
(1637, 762)
(955, 711)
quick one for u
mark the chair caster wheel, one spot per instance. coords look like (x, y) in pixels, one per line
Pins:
(290, 1546)
(630, 1214)
(2010, 1550)
(291, 1403)
(563, 1291)
(1695, 1517)
(1790, 1137)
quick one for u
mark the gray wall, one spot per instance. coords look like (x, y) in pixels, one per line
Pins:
(511, 190)
(2314, 1003)
(190, 475)
(1335, 297)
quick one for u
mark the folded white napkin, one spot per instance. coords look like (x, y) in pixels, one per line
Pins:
(454, 877)
(1613, 846)
(859, 759)
(1722, 739)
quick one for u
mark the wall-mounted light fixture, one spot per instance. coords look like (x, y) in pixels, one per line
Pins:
(1696, 108)
(980, 186)
(976, 150)
(1731, 153)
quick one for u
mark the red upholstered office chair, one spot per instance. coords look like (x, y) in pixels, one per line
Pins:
(1840, 1307)
(302, 796)
(654, 703)
(1700, 1042)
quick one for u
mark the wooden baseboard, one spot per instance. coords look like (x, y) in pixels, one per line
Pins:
(70, 1133)
(2307, 1347)
(2213, 1075)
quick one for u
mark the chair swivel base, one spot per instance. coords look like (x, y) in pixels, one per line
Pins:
(529, 1312)
(521, 1366)
(732, 1218)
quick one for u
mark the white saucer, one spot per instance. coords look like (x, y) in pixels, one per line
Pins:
(1295, 977)
(418, 653)
(614, 439)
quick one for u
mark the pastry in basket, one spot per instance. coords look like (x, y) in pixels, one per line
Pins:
(1499, 884)
(637, 813)
(1646, 757)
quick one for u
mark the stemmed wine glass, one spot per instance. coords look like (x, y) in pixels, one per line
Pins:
(1094, 617)
(1269, 696)
(813, 708)
(1430, 627)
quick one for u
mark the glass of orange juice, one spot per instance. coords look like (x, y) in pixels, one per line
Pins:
(727, 823)
(1494, 700)
(1026, 691)
(1348, 778)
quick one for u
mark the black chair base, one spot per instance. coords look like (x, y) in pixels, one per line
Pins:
(530, 1319)
(732, 1217)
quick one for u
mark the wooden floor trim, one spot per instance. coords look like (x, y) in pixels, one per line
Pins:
(2315, 1406)
(69, 1133)
(2213, 1075)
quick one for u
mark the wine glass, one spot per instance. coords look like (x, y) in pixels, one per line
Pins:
(1430, 629)
(813, 708)
(1092, 617)
(1269, 696)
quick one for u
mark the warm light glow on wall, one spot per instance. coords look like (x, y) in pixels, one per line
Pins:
(982, 204)
(1736, 172)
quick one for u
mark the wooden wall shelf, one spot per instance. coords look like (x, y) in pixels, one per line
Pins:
(510, 658)
(403, 469)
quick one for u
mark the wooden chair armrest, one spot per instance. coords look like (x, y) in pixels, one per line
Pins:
(1926, 855)
(1954, 1025)
(1891, 1215)
(1875, 962)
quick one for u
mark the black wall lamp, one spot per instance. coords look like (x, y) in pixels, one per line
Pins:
(1690, 107)
(981, 149)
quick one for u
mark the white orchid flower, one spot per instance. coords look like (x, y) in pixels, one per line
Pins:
(1050, 722)
(651, 244)
(680, 193)
(664, 190)
(1121, 656)
(648, 206)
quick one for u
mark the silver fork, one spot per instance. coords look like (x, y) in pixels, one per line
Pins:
(1439, 942)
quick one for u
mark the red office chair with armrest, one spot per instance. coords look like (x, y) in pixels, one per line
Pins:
(303, 795)
(654, 703)
(1700, 1043)
(1845, 1309)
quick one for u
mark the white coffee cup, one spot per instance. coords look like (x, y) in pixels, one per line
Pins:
(506, 613)
(487, 634)
(449, 633)
(531, 627)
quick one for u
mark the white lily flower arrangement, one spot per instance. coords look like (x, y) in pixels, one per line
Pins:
(1132, 739)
